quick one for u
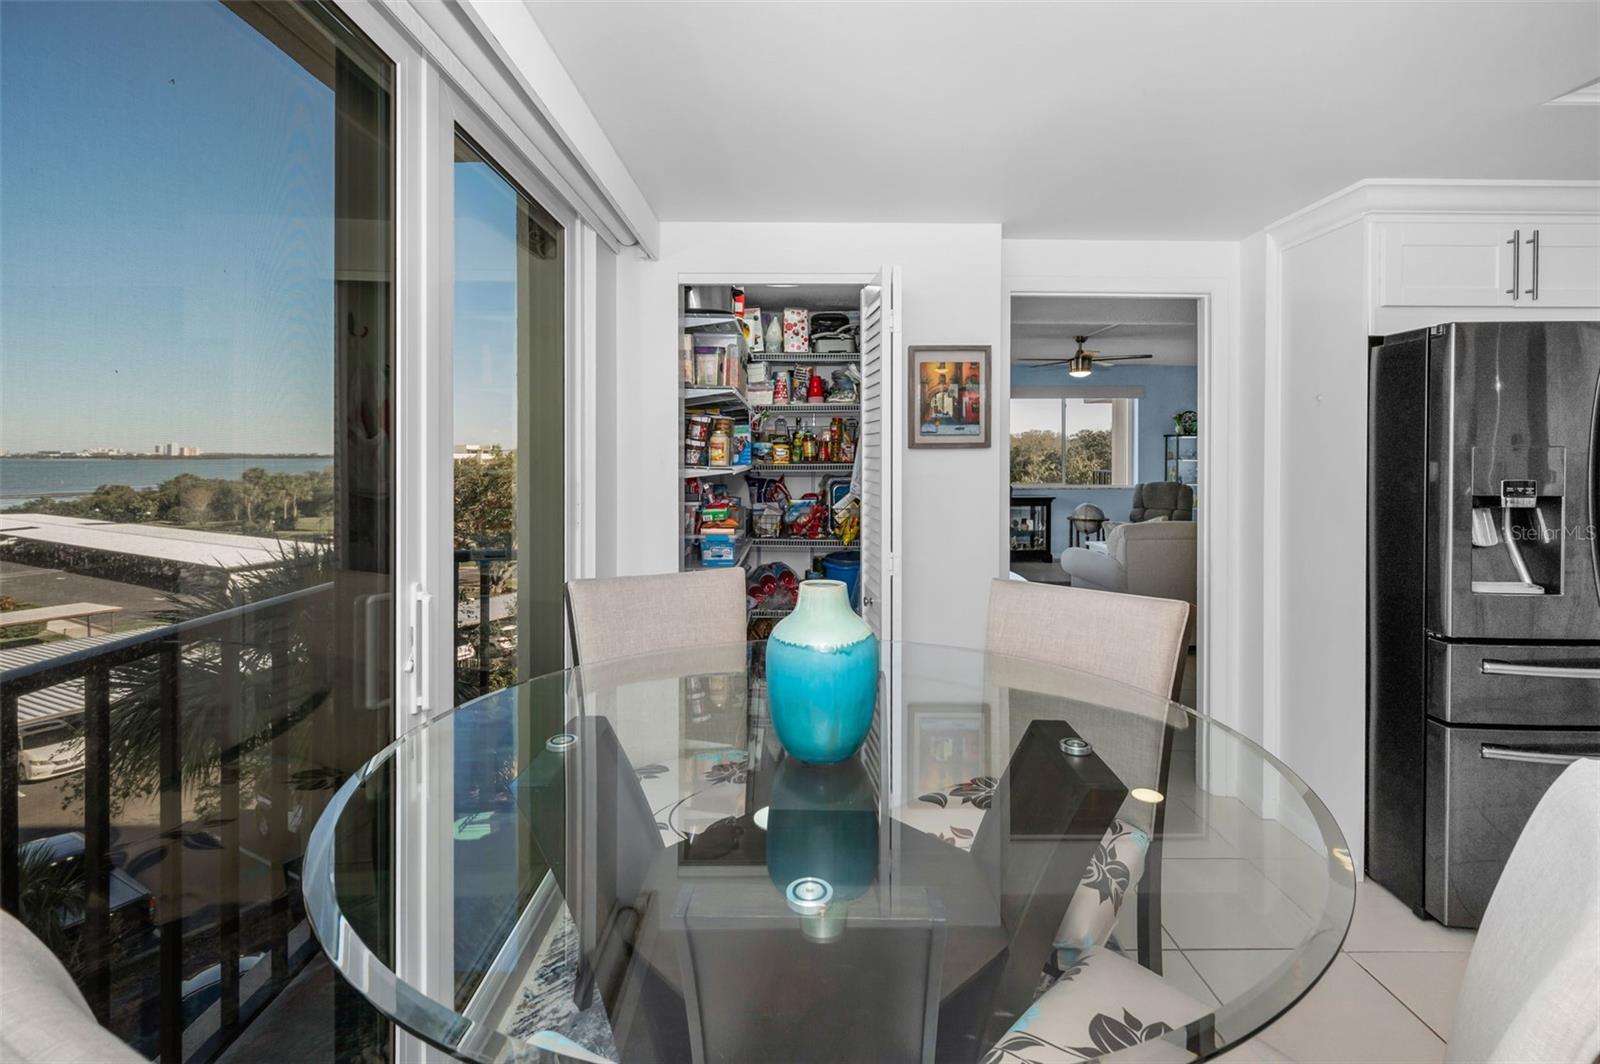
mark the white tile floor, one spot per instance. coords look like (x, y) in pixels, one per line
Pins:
(1388, 998)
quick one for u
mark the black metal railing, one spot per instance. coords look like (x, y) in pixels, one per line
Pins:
(487, 561)
(159, 659)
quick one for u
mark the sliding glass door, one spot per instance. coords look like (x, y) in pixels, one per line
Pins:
(508, 463)
(197, 530)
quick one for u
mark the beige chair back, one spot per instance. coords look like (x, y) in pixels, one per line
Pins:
(1131, 639)
(623, 616)
(43, 1017)
(1159, 558)
(1531, 992)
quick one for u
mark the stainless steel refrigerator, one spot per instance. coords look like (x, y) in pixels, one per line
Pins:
(1483, 596)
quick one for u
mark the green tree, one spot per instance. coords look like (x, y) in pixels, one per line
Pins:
(485, 498)
(253, 491)
(1089, 457)
(118, 502)
(1036, 457)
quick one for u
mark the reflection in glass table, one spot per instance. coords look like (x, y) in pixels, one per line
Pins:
(1010, 870)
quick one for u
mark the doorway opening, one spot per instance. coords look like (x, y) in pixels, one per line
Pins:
(1105, 445)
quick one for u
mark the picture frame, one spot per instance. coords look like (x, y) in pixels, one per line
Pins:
(948, 386)
(949, 744)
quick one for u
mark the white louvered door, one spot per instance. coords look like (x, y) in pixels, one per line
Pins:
(876, 450)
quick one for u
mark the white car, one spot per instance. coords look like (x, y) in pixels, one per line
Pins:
(51, 748)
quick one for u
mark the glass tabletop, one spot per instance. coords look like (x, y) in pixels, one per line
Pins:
(1021, 859)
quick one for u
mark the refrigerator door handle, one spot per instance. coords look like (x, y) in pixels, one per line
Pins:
(1515, 291)
(1534, 291)
(1490, 752)
(1549, 672)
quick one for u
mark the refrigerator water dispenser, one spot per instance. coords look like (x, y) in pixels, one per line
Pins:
(1517, 517)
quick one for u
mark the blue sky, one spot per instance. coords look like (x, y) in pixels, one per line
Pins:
(166, 238)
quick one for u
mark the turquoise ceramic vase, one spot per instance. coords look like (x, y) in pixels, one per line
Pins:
(822, 675)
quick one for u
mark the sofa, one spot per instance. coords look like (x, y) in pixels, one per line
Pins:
(1153, 557)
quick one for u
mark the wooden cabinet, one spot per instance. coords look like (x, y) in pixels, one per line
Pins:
(1525, 264)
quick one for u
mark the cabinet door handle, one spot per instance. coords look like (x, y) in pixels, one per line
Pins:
(1534, 291)
(1515, 291)
(1535, 757)
(1549, 672)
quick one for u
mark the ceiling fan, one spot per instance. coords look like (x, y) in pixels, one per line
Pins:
(1082, 363)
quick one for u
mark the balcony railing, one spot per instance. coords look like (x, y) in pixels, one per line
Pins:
(249, 643)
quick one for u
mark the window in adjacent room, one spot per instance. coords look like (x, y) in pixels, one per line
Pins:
(1072, 442)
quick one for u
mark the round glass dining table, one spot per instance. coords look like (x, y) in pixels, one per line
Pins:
(1023, 863)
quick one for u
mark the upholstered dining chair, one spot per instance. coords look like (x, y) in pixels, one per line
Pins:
(1531, 993)
(1137, 642)
(619, 617)
(1131, 639)
(43, 1017)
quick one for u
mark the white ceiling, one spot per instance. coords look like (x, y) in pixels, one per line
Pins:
(1121, 120)
(1043, 327)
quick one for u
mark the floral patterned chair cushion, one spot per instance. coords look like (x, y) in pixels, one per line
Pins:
(1103, 1002)
(1110, 876)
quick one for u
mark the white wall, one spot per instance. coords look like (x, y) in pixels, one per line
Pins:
(953, 502)
(1228, 546)
(1318, 500)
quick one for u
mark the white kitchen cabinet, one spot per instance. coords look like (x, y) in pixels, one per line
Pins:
(1527, 263)
(1567, 265)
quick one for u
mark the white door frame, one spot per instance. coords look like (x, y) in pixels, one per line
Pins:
(1217, 686)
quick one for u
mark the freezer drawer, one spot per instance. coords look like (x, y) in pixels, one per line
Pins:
(1482, 785)
(1514, 686)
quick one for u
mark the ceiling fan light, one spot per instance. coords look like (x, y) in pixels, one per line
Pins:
(1080, 366)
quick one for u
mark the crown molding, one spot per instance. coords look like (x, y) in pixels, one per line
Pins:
(1421, 197)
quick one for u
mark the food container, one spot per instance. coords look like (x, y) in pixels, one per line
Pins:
(796, 331)
(809, 448)
(707, 366)
(781, 384)
(694, 452)
(717, 451)
(780, 452)
(686, 359)
(723, 425)
(754, 336)
(699, 428)
(708, 297)
(718, 552)
(691, 518)
(761, 450)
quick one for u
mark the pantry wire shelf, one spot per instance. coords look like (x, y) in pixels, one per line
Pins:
(798, 541)
(691, 472)
(803, 467)
(806, 358)
(805, 408)
(761, 611)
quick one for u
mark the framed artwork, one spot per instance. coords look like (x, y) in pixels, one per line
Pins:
(949, 389)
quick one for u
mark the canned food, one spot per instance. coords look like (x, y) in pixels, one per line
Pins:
(694, 453)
